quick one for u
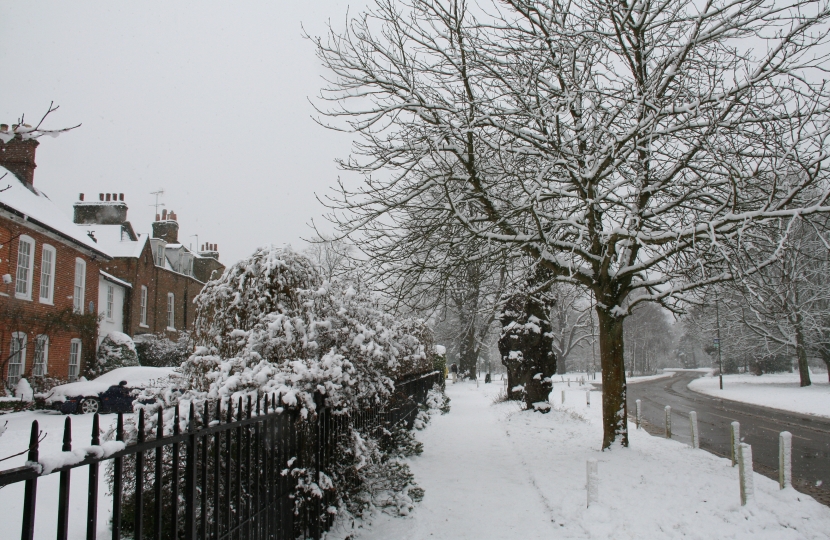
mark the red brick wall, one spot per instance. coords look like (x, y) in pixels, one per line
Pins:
(65, 254)
(159, 281)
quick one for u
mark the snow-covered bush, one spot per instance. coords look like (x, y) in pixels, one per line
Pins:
(157, 350)
(23, 390)
(270, 325)
(117, 350)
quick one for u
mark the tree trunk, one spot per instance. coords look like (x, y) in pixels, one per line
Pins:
(801, 354)
(611, 348)
(468, 353)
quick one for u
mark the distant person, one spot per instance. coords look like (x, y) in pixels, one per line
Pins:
(454, 372)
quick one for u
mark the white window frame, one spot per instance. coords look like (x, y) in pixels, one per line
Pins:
(79, 287)
(171, 311)
(110, 301)
(25, 274)
(74, 359)
(40, 366)
(47, 274)
(142, 320)
(17, 357)
(160, 255)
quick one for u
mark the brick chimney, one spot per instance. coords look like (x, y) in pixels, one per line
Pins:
(109, 209)
(18, 156)
(166, 228)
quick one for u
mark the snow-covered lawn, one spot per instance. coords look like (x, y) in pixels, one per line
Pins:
(16, 439)
(491, 471)
(777, 390)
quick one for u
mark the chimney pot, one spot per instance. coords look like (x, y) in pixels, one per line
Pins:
(81, 197)
(4, 127)
(120, 196)
(115, 196)
(100, 196)
(158, 217)
(108, 197)
(164, 214)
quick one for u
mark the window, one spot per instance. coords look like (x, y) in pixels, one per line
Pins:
(110, 300)
(41, 355)
(143, 316)
(80, 286)
(25, 254)
(74, 359)
(17, 360)
(171, 321)
(160, 255)
(47, 274)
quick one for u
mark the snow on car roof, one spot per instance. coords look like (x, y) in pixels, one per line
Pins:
(139, 376)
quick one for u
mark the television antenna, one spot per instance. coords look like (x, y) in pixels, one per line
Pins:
(157, 203)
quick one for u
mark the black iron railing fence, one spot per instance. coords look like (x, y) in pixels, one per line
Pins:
(222, 478)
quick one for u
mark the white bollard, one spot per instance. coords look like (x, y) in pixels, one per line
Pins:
(736, 440)
(668, 421)
(693, 425)
(563, 397)
(592, 484)
(785, 459)
(569, 382)
(745, 473)
(588, 397)
(639, 413)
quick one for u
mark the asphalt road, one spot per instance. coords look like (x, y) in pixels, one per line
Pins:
(760, 427)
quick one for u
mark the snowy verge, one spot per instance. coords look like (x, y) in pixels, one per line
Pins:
(774, 390)
(493, 471)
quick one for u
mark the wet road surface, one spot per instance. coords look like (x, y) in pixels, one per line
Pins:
(760, 427)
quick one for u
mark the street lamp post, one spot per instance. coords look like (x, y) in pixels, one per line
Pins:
(717, 341)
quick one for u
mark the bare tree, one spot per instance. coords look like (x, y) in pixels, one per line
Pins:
(570, 321)
(625, 147)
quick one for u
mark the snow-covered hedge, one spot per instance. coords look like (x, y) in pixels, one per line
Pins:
(117, 350)
(270, 325)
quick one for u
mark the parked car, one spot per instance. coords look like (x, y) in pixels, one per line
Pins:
(111, 392)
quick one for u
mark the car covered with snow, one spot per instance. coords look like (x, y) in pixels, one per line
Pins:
(112, 392)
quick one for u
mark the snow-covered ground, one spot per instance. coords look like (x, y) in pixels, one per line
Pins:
(16, 439)
(492, 471)
(776, 390)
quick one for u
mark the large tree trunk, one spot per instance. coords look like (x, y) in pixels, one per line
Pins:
(468, 353)
(611, 348)
(801, 354)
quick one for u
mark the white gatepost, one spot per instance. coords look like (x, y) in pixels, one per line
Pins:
(785, 459)
(639, 413)
(693, 426)
(745, 473)
(588, 397)
(736, 440)
(563, 397)
(592, 483)
(668, 421)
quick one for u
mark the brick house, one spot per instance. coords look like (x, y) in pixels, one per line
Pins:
(161, 275)
(51, 270)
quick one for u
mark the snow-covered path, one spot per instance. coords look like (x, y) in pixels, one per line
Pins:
(495, 472)
(476, 485)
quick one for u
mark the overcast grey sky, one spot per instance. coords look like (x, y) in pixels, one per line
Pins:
(205, 100)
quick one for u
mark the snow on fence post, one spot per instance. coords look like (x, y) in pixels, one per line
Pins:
(588, 397)
(785, 459)
(668, 421)
(639, 412)
(736, 440)
(745, 473)
(693, 426)
(592, 484)
(563, 397)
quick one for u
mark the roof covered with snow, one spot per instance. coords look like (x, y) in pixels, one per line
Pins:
(114, 240)
(117, 281)
(35, 207)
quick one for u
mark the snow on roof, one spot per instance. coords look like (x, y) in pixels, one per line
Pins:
(113, 241)
(115, 280)
(40, 210)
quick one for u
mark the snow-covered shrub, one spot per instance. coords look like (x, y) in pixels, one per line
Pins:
(270, 325)
(157, 350)
(23, 390)
(117, 350)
